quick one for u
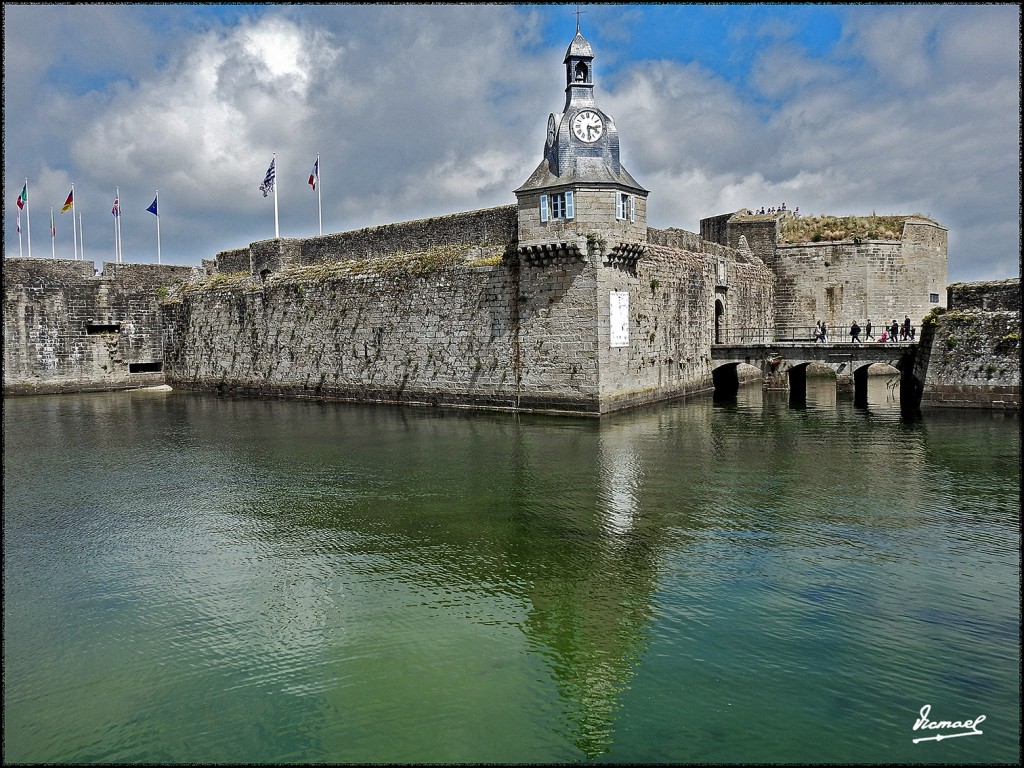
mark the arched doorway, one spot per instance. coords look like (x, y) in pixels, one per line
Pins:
(719, 321)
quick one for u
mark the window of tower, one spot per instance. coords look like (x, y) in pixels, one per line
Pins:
(581, 73)
(557, 206)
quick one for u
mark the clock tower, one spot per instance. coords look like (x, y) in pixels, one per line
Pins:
(580, 201)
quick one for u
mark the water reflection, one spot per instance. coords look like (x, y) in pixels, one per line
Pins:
(389, 584)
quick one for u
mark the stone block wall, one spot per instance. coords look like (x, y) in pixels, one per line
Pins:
(843, 281)
(69, 329)
(485, 227)
(987, 296)
(974, 361)
(974, 349)
(463, 336)
(594, 215)
(515, 335)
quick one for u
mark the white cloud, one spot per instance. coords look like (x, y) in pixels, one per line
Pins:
(426, 110)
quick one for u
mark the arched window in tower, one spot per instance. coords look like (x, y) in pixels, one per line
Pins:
(581, 72)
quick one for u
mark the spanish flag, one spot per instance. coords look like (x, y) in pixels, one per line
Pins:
(70, 202)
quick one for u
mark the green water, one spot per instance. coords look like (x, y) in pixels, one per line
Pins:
(189, 579)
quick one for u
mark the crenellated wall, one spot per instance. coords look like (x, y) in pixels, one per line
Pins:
(68, 328)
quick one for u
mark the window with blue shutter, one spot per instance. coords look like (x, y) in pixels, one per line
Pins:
(543, 207)
(569, 212)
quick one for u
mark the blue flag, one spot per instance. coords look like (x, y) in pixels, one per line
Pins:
(152, 208)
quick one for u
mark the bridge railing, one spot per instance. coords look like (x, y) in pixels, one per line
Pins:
(752, 335)
(784, 334)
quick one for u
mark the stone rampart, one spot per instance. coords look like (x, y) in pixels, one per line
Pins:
(973, 352)
(987, 296)
(434, 329)
(847, 280)
(485, 227)
(69, 329)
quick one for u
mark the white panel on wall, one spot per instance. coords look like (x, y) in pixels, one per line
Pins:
(619, 316)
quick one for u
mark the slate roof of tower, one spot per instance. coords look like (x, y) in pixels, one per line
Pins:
(585, 171)
(578, 47)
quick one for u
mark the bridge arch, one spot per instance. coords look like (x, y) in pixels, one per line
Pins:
(784, 365)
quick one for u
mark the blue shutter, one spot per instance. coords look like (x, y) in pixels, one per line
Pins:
(543, 208)
(632, 209)
(569, 212)
(619, 213)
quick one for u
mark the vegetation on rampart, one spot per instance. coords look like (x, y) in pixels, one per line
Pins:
(434, 259)
(816, 229)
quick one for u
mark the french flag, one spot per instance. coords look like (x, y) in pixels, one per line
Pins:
(314, 177)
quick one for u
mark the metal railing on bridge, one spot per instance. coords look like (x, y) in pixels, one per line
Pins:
(794, 334)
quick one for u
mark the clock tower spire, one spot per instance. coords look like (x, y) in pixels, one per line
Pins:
(580, 191)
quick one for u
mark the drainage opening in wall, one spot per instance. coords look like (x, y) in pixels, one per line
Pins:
(94, 328)
(154, 367)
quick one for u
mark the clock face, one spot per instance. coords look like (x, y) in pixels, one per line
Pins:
(551, 129)
(587, 126)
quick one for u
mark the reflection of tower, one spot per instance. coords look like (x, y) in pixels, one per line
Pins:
(620, 478)
(590, 605)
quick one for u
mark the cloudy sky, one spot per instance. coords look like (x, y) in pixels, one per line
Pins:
(425, 110)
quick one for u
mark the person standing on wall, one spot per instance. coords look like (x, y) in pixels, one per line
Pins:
(855, 333)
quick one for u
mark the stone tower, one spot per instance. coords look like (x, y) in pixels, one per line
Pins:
(580, 194)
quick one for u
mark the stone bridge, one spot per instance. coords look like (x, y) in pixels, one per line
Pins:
(783, 365)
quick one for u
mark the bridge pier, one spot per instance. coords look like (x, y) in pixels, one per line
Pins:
(784, 367)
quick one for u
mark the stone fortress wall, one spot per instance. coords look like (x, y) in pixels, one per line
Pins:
(975, 348)
(845, 280)
(69, 329)
(432, 320)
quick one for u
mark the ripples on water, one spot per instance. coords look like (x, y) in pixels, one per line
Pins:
(193, 579)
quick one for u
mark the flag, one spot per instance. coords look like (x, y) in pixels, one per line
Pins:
(268, 181)
(314, 177)
(70, 202)
(152, 208)
(23, 197)
(116, 210)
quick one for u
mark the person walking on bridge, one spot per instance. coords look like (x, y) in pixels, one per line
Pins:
(894, 331)
(905, 336)
(867, 330)
(855, 333)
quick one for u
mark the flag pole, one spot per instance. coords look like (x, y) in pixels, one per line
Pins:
(117, 224)
(74, 225)
(28, 221)
(319, 209)
(157, 200)
(81, 235)
(19, 234)
(53, 236)
(277, 230)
